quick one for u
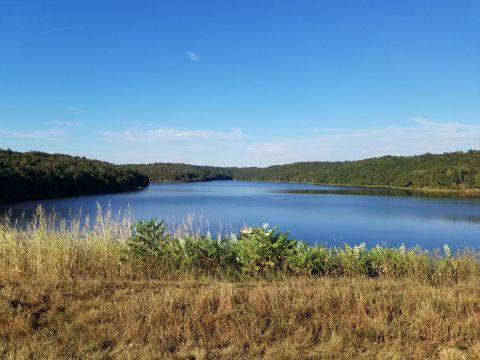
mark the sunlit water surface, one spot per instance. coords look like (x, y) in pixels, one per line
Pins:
(316, 213)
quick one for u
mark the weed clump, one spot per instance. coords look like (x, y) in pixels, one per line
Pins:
(115, 247)
(268, 251)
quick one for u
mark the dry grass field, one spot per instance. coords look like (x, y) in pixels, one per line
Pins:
(331, 318)
(69, 293)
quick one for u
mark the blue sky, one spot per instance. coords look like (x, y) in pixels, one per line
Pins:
(239, 82)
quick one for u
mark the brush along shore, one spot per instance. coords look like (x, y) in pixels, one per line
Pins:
(98, 290)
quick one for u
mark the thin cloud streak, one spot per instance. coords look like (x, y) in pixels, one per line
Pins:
(192, 56)
(69, 123)
(202, 146)
(74, 108)
(171, 134)
(38, 135)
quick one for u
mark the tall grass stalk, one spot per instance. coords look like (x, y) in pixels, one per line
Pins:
(94, 288)
(49, 246)
(111, 246)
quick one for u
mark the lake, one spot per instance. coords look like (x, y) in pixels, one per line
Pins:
(316, 213)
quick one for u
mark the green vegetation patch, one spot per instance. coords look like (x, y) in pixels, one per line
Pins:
(36, 174)
(457, 170)
(267, 251)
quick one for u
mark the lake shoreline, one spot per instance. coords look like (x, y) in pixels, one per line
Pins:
(63, 196)
(468, 192)
(338, 216)
(102, 294)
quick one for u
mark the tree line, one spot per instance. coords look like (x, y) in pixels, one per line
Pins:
(36, 174)
(456, 170)
(164, 172)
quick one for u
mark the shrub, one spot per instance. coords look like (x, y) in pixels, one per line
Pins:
(309, 260)
(265, 249)
(149, 240)
(208, 254)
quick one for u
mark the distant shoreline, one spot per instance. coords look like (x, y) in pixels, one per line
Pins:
(473, 193)
(62, 196)
(37, 175)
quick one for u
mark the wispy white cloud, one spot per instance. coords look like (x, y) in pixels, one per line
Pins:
(171, 134)
(74, 108)
(418, 136)
(38, 135)
(69, 123)
(339, 144)
(192, 56)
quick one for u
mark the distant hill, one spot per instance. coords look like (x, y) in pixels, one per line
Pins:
(36, 174)
(182, 172)
(456, 170)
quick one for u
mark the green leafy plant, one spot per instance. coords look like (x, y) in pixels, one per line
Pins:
(208, 254)
(265, 249)
(150, 239)
(309, 260)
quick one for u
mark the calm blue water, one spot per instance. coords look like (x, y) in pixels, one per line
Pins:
(315, 213)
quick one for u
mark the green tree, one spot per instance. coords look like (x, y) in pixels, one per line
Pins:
(463, 173)
(477, 179)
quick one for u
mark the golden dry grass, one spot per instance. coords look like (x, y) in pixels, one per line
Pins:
(66, 293)
(293, 318)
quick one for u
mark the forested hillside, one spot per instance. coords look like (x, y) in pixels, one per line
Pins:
(35, 174)
(182, 172)
(449, 170)
(455, 170)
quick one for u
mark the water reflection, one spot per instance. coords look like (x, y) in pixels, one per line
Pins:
(315, 213)
(366, 191)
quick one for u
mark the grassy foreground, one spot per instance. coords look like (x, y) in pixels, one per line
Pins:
(96, 291)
